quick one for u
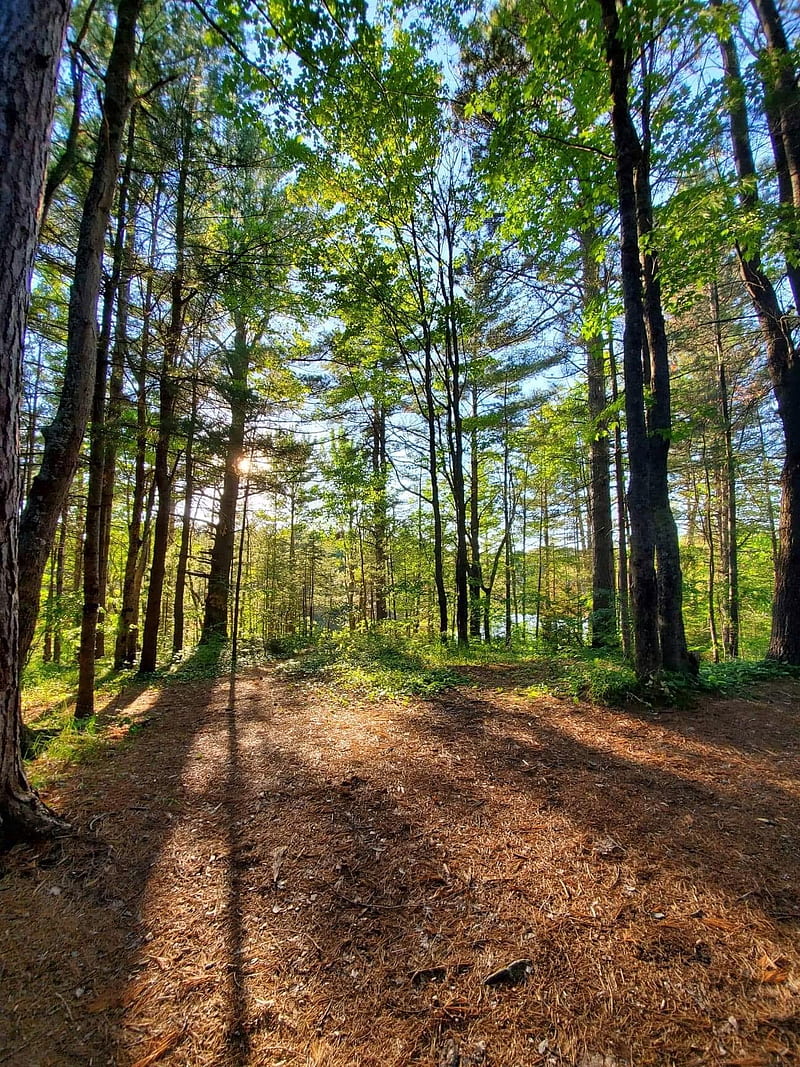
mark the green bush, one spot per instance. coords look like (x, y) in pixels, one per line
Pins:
(377, 662)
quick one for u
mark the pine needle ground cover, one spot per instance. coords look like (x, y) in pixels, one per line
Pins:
(271, 871)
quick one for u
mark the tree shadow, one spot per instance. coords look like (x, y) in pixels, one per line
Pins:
(266, 872)
(75, 925)
(674, 792)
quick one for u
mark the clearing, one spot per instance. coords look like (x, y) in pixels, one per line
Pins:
(270, 872)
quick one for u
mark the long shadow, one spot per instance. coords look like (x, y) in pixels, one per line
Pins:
(690, 810)
(324, 873)
(376, 916)
(237, 1037)
(737, 721)
(74, 927)
(323, 893)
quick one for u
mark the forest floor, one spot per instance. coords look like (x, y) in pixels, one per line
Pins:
(266, 871)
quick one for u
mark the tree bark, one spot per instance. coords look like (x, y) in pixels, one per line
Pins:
(84, 702)
(126, 636)
(31, 38)
(178, 614)
(95, 566)
(64, 435)
(215, 621)
(627, 152)
(672, 638)
(782, 363)
(730, 633)
(121, 279)
(163, 484)
(622, 518)
(603, 619)
(168, 393)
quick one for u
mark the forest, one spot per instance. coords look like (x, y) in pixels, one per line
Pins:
(400, 367)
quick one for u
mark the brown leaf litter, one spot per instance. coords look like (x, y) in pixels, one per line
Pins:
(269, 873)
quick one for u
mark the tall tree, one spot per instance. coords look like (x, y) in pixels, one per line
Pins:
(659, 638)
(64, 435)
(783, 361)
(31, 37)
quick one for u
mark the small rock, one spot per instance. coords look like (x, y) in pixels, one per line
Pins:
(512, 974)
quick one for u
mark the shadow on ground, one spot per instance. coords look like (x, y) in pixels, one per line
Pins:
(274, 874)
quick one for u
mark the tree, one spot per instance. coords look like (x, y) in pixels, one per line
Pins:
(657, 593)
(31, 38)
(64, 435)
(782, 108)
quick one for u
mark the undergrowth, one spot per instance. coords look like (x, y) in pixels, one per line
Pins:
(375, 663)
(378, 663)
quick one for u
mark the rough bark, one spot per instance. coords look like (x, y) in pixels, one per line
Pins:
(672, 638)
(783, 366)
(215, 621)
(642, 556)
(31, 38)
(95, 566)
(603, 618)
(63, 437)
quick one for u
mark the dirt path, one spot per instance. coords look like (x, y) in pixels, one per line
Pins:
(275, 874)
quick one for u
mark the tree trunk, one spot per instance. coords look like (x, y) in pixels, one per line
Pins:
(95, 566)
(622, 540)
(433, 470)
(379, 516)
(708, 533)
(63, 437)
(65, 164)
(215, 621)
(730, 635)
(178, 620)
(163, 484)
(31, 37)
(672, 638)
(84, 702)
(455, 427)
(57, 620)
(475, 569)
(785, 92)
(603, 619)
(121, 280)
(507, 514)
(126, 636)
(642, 558)
(784, 371)
(168, 392)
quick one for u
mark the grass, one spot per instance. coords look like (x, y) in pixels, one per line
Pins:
(377, 663)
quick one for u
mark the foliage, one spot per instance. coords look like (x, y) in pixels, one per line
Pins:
(377, 663)
(602, 679)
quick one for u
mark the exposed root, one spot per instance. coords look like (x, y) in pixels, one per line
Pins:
(28, 818)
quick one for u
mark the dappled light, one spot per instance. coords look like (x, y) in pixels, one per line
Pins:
(284, 875)
(399, 533)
